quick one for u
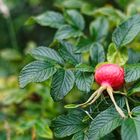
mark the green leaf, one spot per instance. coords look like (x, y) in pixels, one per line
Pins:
(62, 83)
(135, 88)
(43, 130)
(136, 110)
(130, 129)
(132, 72)
(79, 136)
(84, 81)
(114, 15)
(117, 56)
(99, 28)
(73, 4)
(37, 71)
(83, 45)
(47, 54)
(66, 125)
(75, 19)
(49, 18)
(66, 32)
(126, 31)
(67, 52)
(84, 68)
(103, 124)
(134, 56)
(97, 53)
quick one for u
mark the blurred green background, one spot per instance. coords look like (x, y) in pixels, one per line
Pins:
(23, 109)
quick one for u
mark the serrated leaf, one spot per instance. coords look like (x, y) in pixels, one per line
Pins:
(79, 136)
(83, 45)
(99, 28)
(117, 56)
(62, 83)
(43, 130)
(126, 31)
(103, 124)
(46, 54)
(84, 81)
(134, 56)
(66, 125)
(36, 71)
(67, 52)
(49, 18)
(130, 129)
(66, 32)
(132, 72)
(136, 110)
(84, 68)
(74, 18)
(97, 53)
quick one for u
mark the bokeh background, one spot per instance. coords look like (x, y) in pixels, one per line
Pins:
(21, 108)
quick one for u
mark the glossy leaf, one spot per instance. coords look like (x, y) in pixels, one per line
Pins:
(74, 18)
(46, 54)
(132, 72)
(66, 125)
(103, 124)
(126, 31)
(62, 83)
(49, 18)
(99, 28)
(37, 71)
(67, 52)
(79, 136)
(84, 68)
(66, 32)
(130, 129)
(97, 53)
(84, 81)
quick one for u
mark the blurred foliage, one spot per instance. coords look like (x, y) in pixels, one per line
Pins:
(29, 111)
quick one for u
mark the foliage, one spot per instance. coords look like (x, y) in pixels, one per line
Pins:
(76, 36)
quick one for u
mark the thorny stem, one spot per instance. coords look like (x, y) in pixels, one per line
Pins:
(128, 108)
(119, 110)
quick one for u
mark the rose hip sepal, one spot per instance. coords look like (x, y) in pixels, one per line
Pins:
(110, 77)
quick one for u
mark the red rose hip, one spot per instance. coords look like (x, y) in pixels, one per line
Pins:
(110, 75)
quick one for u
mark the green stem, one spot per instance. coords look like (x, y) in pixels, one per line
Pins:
(128, 108)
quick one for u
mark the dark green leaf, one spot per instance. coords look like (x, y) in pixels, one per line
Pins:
(74, 18)
(47, 54)
(67, 52)
(104, 123)
(130, 129)
(132, 72)
(79, 136)
(97, 53)
(83, 45)
(84, 81)
(66, 125)
(126, 31)
(62, 83)
(116, 56)
(66, 32)
(84, 68)
(49, 18)
(36, 71)
(135, 88)
(99, 28)
(136, 110)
